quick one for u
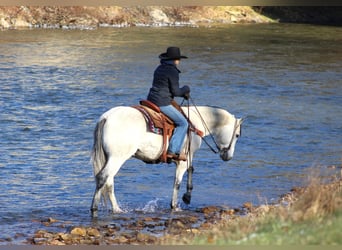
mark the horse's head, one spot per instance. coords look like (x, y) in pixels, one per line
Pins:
(229, 135)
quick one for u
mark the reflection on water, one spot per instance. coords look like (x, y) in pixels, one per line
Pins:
(55, 84)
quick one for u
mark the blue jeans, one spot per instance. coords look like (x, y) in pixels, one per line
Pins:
(179, 133)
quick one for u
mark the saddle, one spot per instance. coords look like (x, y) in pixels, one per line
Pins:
(159, 123)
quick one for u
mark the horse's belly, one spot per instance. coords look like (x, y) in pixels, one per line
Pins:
(150, 148)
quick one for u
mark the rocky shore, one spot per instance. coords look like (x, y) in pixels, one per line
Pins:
(144, 230)
(308, 202)
(86, 17)
(92, 17)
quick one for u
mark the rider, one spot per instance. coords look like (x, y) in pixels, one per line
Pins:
(165, 87)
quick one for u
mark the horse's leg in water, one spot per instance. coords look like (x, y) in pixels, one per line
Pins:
(105, 185)
(180, 170)
(187, 196)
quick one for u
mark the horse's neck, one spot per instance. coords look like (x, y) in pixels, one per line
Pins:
(209, 119)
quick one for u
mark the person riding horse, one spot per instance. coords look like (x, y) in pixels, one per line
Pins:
(165, 87)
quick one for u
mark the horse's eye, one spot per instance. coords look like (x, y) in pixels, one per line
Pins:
(237, 136)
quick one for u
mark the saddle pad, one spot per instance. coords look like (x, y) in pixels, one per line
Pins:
(153, 119)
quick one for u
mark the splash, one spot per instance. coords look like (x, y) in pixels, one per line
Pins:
(151, 206)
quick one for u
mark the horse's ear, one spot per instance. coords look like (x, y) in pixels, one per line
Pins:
(242, 119)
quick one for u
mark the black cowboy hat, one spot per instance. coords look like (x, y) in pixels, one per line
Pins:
(172, 53)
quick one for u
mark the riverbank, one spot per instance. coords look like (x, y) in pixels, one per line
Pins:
(302, 214)
(310, 215)
(86, 17)
(115, 16)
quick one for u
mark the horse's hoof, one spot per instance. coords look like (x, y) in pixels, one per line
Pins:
(94, 213)
(117, 211)
(187, 198)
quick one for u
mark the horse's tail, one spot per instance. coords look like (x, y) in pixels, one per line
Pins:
(98, 156)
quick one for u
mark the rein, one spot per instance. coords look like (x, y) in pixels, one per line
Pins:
(218, 149)
(206, 127)
(231, 139)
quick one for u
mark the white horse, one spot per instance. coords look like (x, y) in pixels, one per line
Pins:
(122, 133)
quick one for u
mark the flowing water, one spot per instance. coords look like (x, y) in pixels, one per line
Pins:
(286, 79)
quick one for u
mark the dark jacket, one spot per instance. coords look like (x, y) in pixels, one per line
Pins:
(165, 84)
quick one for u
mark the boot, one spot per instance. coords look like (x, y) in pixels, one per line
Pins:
(177, 157)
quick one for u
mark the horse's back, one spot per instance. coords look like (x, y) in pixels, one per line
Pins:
(123, 124)
(125, 132)
(115, 111)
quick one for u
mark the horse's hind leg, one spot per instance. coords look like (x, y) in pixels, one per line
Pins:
(105, 186)
(109, 189)
(95, 202)
(99, 189)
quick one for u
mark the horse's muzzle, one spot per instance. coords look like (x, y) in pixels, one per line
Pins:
(224, 154)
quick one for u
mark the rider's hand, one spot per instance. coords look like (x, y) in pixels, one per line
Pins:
(187, 96)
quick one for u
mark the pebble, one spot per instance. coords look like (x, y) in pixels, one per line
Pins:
(93, 232)
(140, 231)
(209, 210)
(79, 231)
(248, 206)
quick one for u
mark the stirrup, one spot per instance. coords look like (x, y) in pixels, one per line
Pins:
(176, 157)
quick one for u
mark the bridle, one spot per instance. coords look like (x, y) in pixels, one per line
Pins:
(226, 149)
(218, 149)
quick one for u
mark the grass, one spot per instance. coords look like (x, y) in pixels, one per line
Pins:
(312, 216)
(324, 230)
(320, 231)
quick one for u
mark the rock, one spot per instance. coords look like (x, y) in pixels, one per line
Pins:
(192, 219)
(39, 241)
(159, 16)
(43, 234)
(233, 19)
(64, 237)
(179, 224)
(120, 240)
(148, 219)
(20, 22)
(4, 23)
(206, 225)
(142, 237)
(57, 243)
(52, 220)
(210, 210)
(248, 206)
(86, 242)
(49, 221)
(226, 214)
(93, 232)
(193, 230)
(79, 231)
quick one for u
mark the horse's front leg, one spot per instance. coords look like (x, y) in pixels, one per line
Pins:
(187, 196)
(181, 167)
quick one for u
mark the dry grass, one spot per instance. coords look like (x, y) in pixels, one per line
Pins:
(321, 197)
(308, 215)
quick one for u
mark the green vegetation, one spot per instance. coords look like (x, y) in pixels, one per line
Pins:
(313, 216)
(325, 230)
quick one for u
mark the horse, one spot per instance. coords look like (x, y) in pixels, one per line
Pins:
(122, 133)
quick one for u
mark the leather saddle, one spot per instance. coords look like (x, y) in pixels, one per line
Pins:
(159, 123)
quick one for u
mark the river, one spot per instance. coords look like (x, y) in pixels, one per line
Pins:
(284, 78)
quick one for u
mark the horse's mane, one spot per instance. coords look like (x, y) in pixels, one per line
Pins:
(217, 112)
(209, 106)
